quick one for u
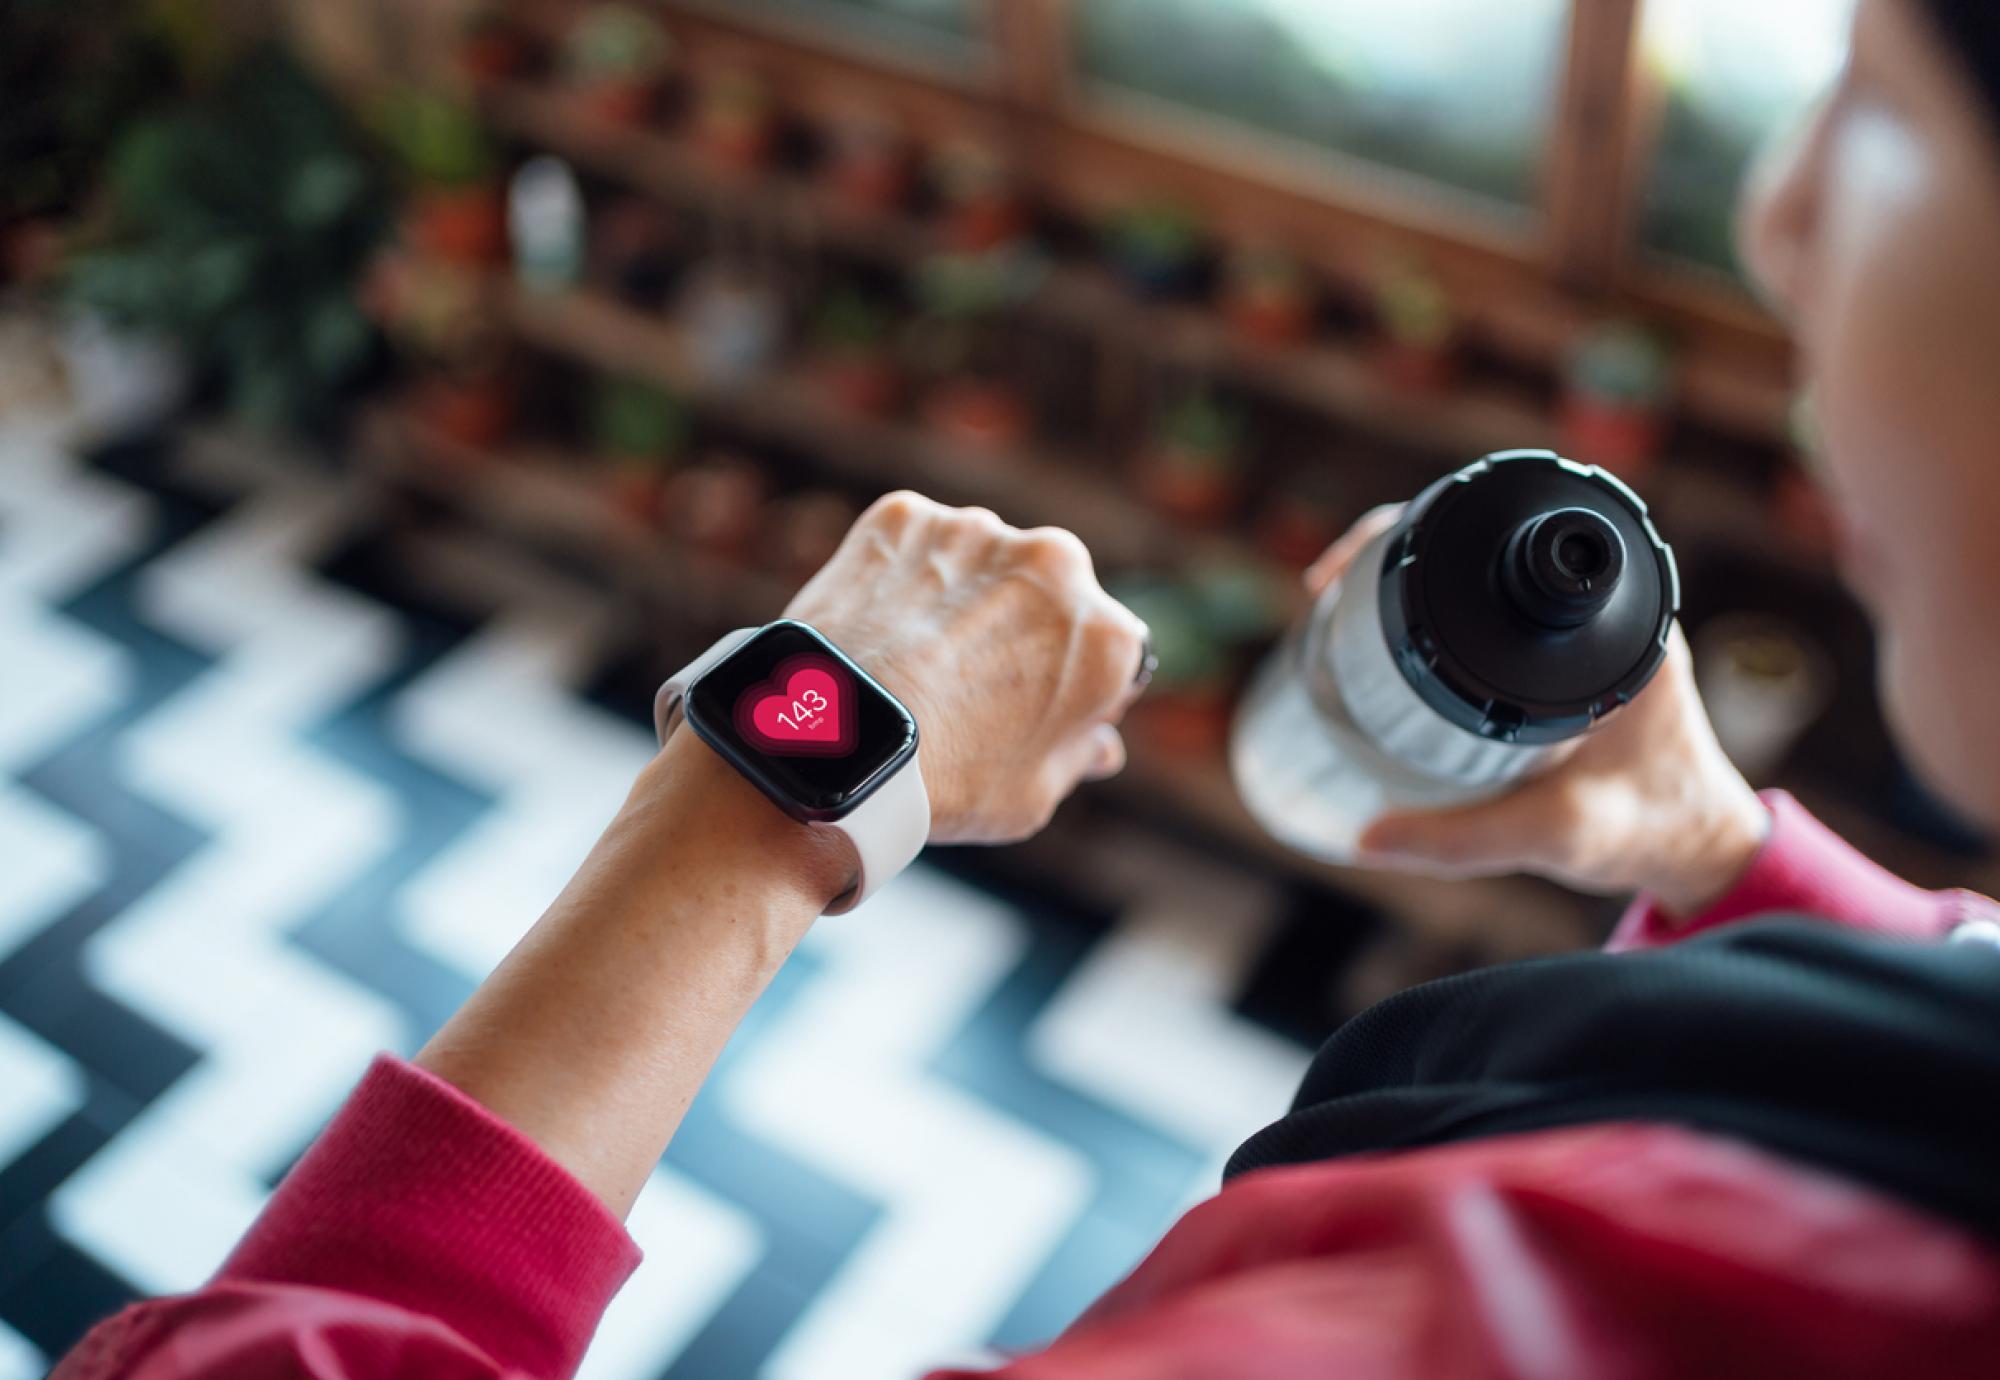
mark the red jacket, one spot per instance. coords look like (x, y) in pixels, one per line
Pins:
(421, 1236)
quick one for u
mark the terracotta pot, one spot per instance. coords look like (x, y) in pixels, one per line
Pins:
(627, 103)
(867, 385)
(876, 182)
(1184, 721)
(984, 413)
(638, 490)
(1410, 368)
(983, 223)
(1295, 533)
(810, 527)
(492, 57)
(1196, 489)
(718, 506)
(476, 413)
(1269, 320)
(1622, 438)
(466, 225)
(743, 144)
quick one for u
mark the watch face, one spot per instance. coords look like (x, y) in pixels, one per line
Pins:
(804, 723)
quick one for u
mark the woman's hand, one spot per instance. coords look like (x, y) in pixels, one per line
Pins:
(1014, 660)
(1648, 802)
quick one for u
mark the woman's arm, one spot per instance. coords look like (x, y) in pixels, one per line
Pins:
(595, 1034)
(1804, 868)
(598, 1030)
(435, 1217)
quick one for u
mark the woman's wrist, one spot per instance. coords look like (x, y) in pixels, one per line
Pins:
(688, 792)
(1715, 852)
(595, 1033)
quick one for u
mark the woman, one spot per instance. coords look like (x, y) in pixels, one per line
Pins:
(1751, 1150)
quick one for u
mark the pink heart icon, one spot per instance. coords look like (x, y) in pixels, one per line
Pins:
(800, 709)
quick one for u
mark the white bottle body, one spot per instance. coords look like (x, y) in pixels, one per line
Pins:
(1331, 735)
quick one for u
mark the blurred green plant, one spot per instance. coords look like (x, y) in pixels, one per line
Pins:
(1621, 363)
(1156, 245)
(72, 73)
(632, 420)
(1203, 430)
(1414, 308)
(614, 42)
(437, 141)
(848, 321)
(237, 225)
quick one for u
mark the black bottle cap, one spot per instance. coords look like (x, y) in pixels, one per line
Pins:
(1527, 596)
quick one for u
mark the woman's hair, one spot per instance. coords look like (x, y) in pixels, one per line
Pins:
(1971, 28)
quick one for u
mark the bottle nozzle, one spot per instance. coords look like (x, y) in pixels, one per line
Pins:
(1560, 568)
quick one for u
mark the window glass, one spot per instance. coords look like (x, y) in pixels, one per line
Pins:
(883, 22)
(1732, 72)
(1457, 91)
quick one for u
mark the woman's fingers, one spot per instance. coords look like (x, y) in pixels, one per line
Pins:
(1497, 835)
(1105, 755)
(1333, 562)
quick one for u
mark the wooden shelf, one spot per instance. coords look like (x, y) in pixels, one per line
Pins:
(1335, 379)
(550, 500)
(555, 501)
(1027, 486)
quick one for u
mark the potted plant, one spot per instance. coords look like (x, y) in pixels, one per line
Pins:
(811, 525)
(735, 321)
(960, 346)
(491, 46)
(634, 251)
(980, 412)
(1418, 349)
(1302, 518)
(240, 226)
(719, 505)
(1193, 468)
(735, 118)
(455, 208)
(1185, 710)
(867, 161)
(614, 59)
(1156, 247)
(851, 357)
(1267, 296)
(443, 323)
(982, 208)
(639, 431)
(1616, 387)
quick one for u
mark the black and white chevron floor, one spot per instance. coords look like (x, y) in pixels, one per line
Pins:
(279, 781)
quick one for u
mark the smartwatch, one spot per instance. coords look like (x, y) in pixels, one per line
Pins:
(816, 734)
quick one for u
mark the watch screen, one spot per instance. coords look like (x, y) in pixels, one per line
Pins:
(801, 720)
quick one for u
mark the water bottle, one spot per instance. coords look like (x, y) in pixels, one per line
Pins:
(1513, 606)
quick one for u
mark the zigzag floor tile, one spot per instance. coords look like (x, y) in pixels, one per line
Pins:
(291, 778)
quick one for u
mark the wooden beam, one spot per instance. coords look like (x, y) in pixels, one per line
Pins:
(1595, 155)
(1031, 39)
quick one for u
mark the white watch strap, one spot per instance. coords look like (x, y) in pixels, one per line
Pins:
(888, 829)
(667, 700)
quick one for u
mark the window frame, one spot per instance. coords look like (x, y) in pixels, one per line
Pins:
(1528, 284)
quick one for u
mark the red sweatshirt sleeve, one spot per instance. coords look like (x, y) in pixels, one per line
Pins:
(1805, 868)
(420, 1235)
